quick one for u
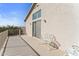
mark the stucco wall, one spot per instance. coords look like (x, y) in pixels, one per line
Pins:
(61, 21)
(3, 36)
(29, 26)
(29, 22)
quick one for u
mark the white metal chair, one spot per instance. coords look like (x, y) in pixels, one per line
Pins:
(73, 51)
(51, 41)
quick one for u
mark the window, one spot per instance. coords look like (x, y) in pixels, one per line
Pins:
(36, 15)
(39, 13)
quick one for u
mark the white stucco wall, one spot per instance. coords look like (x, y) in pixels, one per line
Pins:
(76, 18)
(29, 22)
(29, 26)
(62, 20)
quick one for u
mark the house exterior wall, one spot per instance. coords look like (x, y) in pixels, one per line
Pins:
(29, 26)
(29, 22)
(61, 21)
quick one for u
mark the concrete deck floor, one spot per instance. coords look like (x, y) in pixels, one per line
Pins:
(17, 47)
(41, 48)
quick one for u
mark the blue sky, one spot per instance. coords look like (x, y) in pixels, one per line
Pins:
(13, 13)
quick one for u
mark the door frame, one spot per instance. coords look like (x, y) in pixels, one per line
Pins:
(34, 28)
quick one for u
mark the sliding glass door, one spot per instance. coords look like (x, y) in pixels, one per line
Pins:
(36, 28)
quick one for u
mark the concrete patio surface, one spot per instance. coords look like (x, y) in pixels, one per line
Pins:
(17, 47)
(42, 49)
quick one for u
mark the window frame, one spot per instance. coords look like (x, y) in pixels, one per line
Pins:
(36, 15)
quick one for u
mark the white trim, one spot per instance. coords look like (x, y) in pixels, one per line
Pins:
(2, 49)
(36, 19)
(33, 20)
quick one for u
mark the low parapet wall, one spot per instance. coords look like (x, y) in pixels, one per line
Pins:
(3, 37)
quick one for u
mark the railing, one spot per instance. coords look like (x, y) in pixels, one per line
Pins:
(3, 36)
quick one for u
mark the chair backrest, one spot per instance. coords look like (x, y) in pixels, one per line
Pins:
(46, 37)
(51, 39)
(75, 46)
(55, 42)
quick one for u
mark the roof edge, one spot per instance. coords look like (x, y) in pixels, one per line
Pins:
(33, 5)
